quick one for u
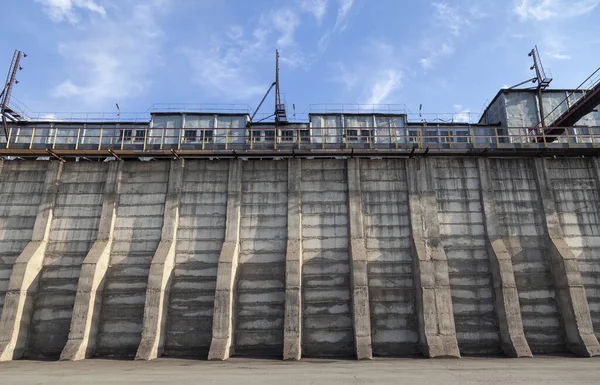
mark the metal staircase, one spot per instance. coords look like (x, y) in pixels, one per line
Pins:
(587, 98)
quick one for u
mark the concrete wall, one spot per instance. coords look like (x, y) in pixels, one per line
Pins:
(521, 212)
(199, 239)
(21, 185)
(327, 306)
(73, 231)
(137, 233)
(525, 274)
(260, 299)
(464, 240)
(394, 326)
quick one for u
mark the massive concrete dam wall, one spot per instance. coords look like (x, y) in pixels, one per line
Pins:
(299, 258)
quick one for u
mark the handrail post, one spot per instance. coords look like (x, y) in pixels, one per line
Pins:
(55, 135)
(78, 135)
(497, 137)
(162, 138)
(145, 138)
(179, 139)
(100, 139)
(32, 138)
(122, 138)
(226, 138)
(9, 136)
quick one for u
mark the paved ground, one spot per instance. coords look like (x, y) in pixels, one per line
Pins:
(261, 372)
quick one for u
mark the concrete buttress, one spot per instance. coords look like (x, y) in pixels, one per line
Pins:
(161, 271)
(358, 266)
(23, 285)
(570, 291)
(292, 339)
(222, 334)
(86, 312)
(508, 309)
(437, 330)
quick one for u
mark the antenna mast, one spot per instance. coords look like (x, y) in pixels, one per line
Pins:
(11, 80)
(543, 81)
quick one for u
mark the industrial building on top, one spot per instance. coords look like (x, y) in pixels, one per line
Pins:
(536, 119)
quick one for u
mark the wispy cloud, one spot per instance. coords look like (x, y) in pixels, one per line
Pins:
(69, 10)
(344, 7)
(551, 9)
(450, 25)
(113, 60)
(376, 80)
(317, 7)
(450, 17)
(386, 82)
(285, 21)
(226, 66)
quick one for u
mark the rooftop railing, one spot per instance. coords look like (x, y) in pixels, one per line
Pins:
(146, 140)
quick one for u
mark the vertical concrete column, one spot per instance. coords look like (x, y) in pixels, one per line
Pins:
(161, 271)
(292, 334)
(432, 283)
(570, 292)
(508, 308)
(88, 301)
(24, 279)
(358, 266)
(222, 334)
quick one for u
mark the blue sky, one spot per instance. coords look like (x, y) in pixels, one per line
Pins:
(450, 56)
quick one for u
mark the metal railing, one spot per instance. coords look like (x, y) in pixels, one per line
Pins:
(573, 98)
(148, 140)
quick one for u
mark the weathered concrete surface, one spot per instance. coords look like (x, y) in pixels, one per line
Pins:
(463, 237)
(74, 229)
(200, 238)
(394, 324)
(289, 278)
(21, 185)
(521, 222)
(359, 281)
(137, 233)
(292, 330)
(24, 279)
(83, 333)
(507, 304)
(327, 304)
(161, 270)
(543, 371)
(260, 287)
(571, 297)
(434, 301)
(222, 332)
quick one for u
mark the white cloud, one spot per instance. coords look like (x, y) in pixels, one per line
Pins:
(450, 17)
(226, 66)
(386, 82)
(285, 21)
(61, 10)
(317, 7)
(344, 8)
(113, 60)
(435, 53)
(551, 9)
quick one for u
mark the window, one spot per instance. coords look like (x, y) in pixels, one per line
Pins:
(413, 136)
(208, 136)
(462, 136)
(269, 136)
(139, 135)
(431, 136)
(125, 135)
(365, 135)
(287, 135)
(352, 135)
(190, 135)
(305, 136)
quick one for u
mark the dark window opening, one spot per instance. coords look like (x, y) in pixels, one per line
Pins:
(352, 135)
(287, 135)
(190, 135)
(208, 136)
(365, 135)
(125, 135)
(139, 135)
(305, 136)
(269, 136)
